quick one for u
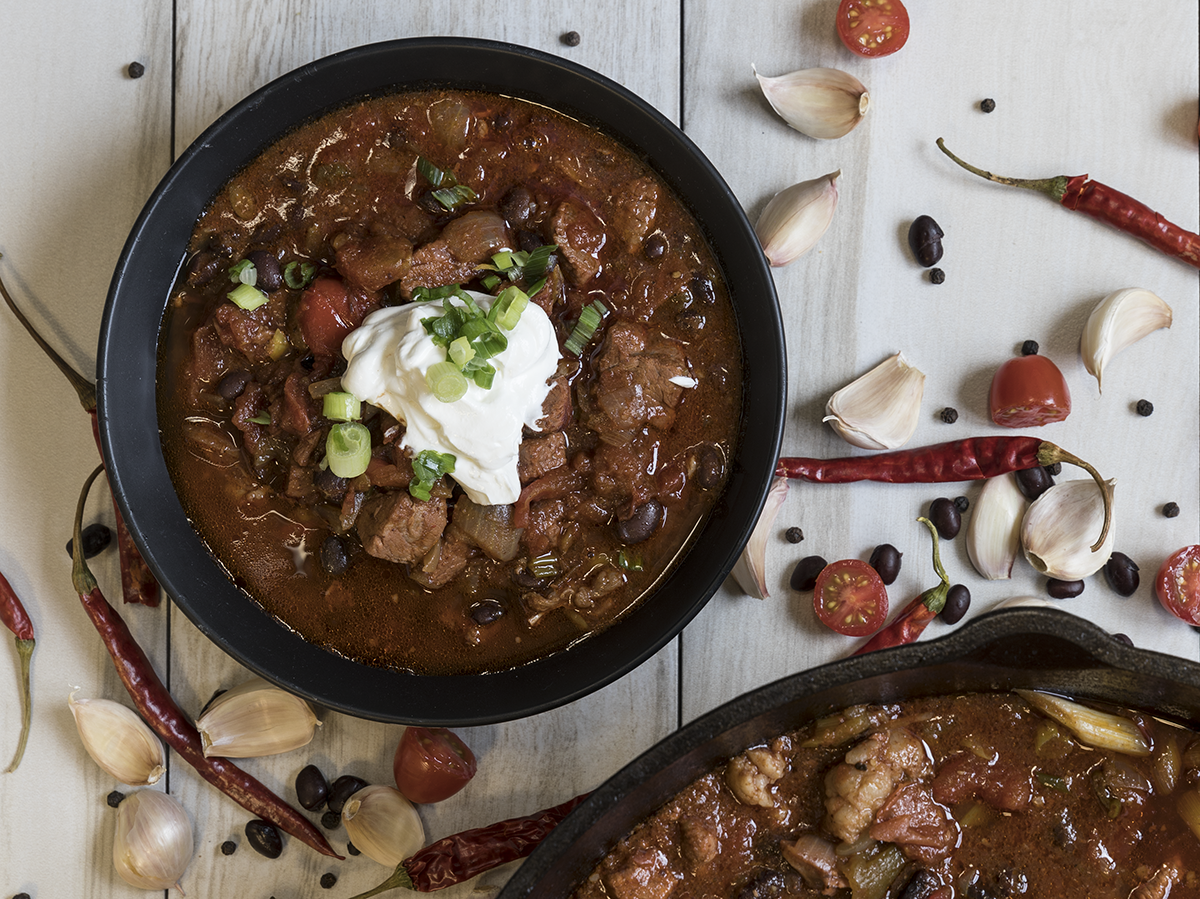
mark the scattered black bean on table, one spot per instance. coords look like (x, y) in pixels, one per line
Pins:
(1121, 572)
(311, 787)
(264, 838)
(351, 849)
(1035, 481)
(1170, 510)
(96, 538)
(1123, 638)
(925, 240)
(949, 415)
(804, 576)
(958, 601)
(343, 788)
(1144, 408)
(793, 535)
(944, 516)
(1060, 589)
(886, 562)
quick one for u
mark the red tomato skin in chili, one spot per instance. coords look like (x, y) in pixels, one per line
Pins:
(329, 310)
(872, 28)
(1178, 584)
(850, 598)
(1028, 391)
(432, 764)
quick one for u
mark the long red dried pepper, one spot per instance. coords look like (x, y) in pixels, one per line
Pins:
(461, 856)
(915, 617)
(1110, 206)
(156, 705)
(137, 583)
(17, 620)
(971, 459)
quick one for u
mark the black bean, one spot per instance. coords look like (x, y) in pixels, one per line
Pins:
(1145, 408)
(328, 880)
(528, 240)
(331, 820)
(925, 240)
(334, 557)
(644, 521)
(202, 268)
(343, 788)
(1170, 510)
(264, 838)
(710, 470)
(987, 104)
(886, 561)
(1123, 638)
(1121, 572)
(691, 321)
(571, 38)
(1054, 469)
(351, 849)
(654, 245)
(1034, 481)
(945, 516)
(523, 577)
(230, 387)
(937, 276)
(95, 537)
(270, 275)
(136, 70)
(517, 206)
(920, 886)
(487, 611)
(1030, 348)
(331, 486)
(804, 577)
(311, 787)
(765, 885)
(1060, 589)
(229, 847)
(949, 415)
(702, 290)
(21, 896)
(793, 535)
(958, 600)
(962, 504)
(114, 798)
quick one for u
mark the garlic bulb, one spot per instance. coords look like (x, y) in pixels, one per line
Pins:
(383, 824)
(750, 570)
(1121, 319)
(256, 719)
(994, 531)
(153, 844)
(1060, 526)
(796, 217)
(822, 103)
(118, 740)
(880, 410)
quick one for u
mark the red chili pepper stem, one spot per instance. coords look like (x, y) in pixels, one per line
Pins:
(1055, 188)
(25, 654)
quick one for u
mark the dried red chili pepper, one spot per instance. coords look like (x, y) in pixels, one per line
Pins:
(137, 583)
(914, 617)
(16, 619)
(1102, 202)
(971, 459)
(458, 858)
(156, 705)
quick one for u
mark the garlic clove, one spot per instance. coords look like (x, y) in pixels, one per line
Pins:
(118, 740)
(256, 719)
(994, 531)
(153, 844)
(383, 824)
(1121, 319)
(1060, 526)
(750, 571)
(796, 217)
(822, 103)
(881, 409)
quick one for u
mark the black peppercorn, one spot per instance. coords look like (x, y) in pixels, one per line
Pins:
(987, 105)
(328, 880)
(571, 38)
(136, 70)
(949, 415)
(229, 847)
(1030, 348)
(962, 504)
(936, 275)
(21, 896)
(793, 535)
(114, 798)
(1170, 510)
(331, 820)
(1144, 408)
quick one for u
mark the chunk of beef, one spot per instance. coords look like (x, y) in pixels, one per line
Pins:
(545, 526)
(626, 472)
(633, 384)
(966, 776)
(644, 874)
(633, 212)
(580, 237)
(251, 404)
(858, 787)
(209, 360)
(814, 857)
(383, 472)
(299, 410)
(538, 456)
(455, 256)
(248, 332)
(558, 484)
(557, 408)
(441, 564)
(397, 528)
(375, 261)
(698, 839)
(912, 820)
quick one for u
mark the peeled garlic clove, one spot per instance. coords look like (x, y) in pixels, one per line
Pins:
(822, 103)
(880, 410)
(796, 218)
(256, 719)
(994, 531)
(118, 740)
(153, 844)
(750, 571)
(1121, 319)
(383, 824)
(1060, 527)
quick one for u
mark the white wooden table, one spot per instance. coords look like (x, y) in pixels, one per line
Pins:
(1101, 86)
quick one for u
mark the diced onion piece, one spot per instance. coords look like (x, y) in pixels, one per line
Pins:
(341, 406)
(446, 381)
(871, 873)
(1099, 729)
(348, 449)
(247, 297)
(1188, 805)
(279, 345)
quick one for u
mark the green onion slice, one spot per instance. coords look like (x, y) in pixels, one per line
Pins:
(243, 272)
(262, 418)
(428, 466)
(247, 297)
(298, 275)
(545, 565)
(629, 561)
(483, 376)
(507, 308)
(447, 191)
(460, 351)
(348, 449)
(446, 382)
(589, 320)
(341, 406)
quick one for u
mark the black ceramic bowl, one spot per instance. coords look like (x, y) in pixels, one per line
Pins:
(1044, 649)
(126, 372)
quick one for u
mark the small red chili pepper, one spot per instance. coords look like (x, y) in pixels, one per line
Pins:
(1105, 204)
(16, 619)
(971, 459)
(156, 705)
(458, 858)
(914, 617)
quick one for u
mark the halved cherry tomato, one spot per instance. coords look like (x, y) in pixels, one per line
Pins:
(1178, 584)
(872, 27)
(432, 764)
(1028, 391)
(850, 598)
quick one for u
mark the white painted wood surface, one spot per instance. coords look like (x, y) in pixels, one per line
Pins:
(1100, 87)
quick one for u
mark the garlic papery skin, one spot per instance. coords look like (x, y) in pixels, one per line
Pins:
(383, 824)
(994, 531)
(153, 844)
(256, 719)
(118, 740)
(881, 409)
(1060, 527)
(796, 217)
(750, 570)
(1121, 319)
(822, 103)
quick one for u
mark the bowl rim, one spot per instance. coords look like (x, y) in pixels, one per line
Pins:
(126, 388)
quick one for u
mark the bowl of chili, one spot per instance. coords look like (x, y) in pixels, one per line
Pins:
(129, 414)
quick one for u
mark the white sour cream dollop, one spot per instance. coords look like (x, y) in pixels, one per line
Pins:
(387, 357)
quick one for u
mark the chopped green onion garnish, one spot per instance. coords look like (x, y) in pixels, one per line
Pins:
(249, 298)
(446, 382)
(297, 275)
(243, 272)
(460, 351)
(341, 406)
(428, 466)
(483, 376)
(585, 328)
(490, 282)
(535, 265)
(629, 561)
(262, 418)
(348, 449)
(447, 190)
(431, 172)
(545, 565)
(510, 304)
(503, 260)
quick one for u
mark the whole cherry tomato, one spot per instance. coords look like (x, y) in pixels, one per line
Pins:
(872, 27)
(432, 764)
(850, 598)
(1178, 584)
(1028, 391)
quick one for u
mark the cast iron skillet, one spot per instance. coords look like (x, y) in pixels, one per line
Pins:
(1046, 649)
(126, 371)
